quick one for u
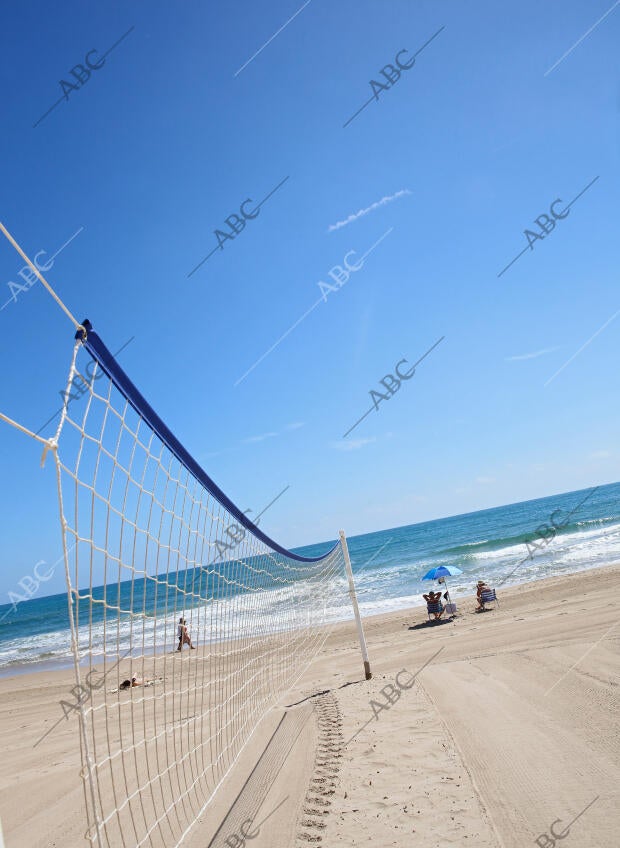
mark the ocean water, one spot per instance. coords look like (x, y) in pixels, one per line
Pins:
(388, 567)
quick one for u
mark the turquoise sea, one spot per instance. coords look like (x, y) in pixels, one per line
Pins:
(578, 531)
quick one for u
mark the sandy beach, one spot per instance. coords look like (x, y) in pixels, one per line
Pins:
(490, 730)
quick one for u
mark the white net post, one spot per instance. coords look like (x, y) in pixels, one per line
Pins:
(356, 609)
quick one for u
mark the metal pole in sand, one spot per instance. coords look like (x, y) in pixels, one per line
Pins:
(356, 609)
(445, 583)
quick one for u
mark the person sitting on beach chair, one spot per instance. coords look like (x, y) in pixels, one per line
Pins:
(434, 605)
(485, 595)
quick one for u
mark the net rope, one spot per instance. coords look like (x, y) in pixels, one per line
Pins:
(42, 279)
(149, 542)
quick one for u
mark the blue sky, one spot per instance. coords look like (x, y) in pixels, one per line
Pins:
(145, 160)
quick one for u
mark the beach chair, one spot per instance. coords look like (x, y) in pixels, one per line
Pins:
(436, 606)
(488, 597)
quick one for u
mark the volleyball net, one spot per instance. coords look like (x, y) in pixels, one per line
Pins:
(188, 623)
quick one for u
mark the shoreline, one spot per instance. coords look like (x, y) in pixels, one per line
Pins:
(63, 666)
(396, 585)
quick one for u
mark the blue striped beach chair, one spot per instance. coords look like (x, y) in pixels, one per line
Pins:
(488, 596)
(434, 607)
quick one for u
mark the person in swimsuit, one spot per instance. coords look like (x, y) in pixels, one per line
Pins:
(183, 635)
(480, 588)
(435, 598)
(129, 684)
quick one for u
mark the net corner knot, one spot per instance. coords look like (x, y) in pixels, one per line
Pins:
(51, 445)
(83, 330)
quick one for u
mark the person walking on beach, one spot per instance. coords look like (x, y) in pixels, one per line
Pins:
(183, 635)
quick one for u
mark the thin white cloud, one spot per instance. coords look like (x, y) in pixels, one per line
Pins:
(260, 438)
(533, 355)
(600, 454)
(351, 444)
(383, 202)
(252, 440)
(484, 481)
(296, 425)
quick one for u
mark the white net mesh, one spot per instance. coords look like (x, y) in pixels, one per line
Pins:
(155, 562)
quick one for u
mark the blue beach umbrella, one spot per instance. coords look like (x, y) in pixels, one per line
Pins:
(443, 571)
